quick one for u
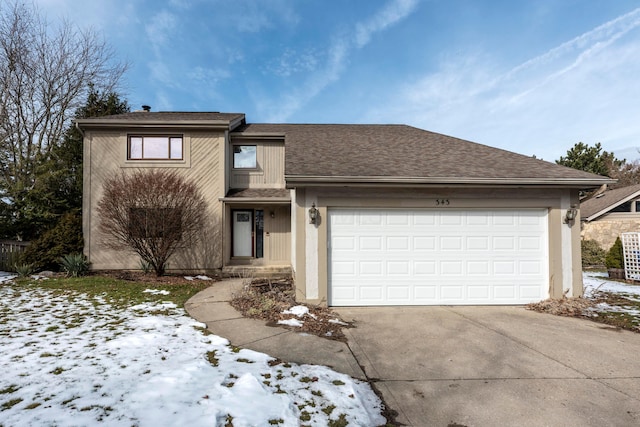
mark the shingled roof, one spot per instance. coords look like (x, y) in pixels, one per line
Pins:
(593, 208)
(155, 118)
(316, 153)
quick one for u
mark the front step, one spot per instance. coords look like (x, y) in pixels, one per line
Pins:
(257, 271)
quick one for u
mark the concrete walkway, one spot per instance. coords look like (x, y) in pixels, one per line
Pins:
(464, 366)
(211, 307)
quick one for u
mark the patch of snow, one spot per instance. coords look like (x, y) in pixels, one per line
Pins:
(156, 292)
(76, 360)
(198, 277)
(39, 277)
(291, 322)
(338, 322)
(595, 281)
(6, 277)
(299, 311)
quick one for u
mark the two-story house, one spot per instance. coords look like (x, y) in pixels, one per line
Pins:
(360, 214)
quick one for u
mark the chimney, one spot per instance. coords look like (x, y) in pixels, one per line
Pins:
(146, 108)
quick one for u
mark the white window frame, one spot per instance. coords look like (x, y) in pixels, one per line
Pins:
(255, 157)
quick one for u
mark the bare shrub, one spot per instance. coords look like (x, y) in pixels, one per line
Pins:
(152, 213)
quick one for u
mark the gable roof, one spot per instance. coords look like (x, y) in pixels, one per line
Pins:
(165, 119)
(601, 204)
(343, 153)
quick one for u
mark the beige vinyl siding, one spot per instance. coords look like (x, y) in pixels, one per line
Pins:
(105, 155)
(270, 167)
(278, 242)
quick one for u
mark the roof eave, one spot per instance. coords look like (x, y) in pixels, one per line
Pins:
(150, 124)
(306, 180)
(265, 200)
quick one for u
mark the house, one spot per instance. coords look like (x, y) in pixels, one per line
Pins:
(611, 213)
(360, 214)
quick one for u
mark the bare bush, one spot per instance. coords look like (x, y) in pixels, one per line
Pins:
(152, 213)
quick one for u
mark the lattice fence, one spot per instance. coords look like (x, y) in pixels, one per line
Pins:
(631, 250)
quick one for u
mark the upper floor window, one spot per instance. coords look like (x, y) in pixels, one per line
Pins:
(244, 157)
(155, 147)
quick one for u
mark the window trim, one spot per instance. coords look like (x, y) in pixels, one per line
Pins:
(233, 157)
(169, 137)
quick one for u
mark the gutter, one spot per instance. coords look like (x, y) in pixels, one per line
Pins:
(269, 200)
(440, 181)
(77, 126)
(213, 124)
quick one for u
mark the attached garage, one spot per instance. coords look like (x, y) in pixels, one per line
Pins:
(437, 256)
(395, 215)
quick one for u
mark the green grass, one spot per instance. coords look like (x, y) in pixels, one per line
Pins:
(122, 293)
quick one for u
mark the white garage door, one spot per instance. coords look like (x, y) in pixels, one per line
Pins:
(430, 257)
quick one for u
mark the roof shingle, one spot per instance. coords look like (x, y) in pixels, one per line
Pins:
(602, 203)
(385, 151)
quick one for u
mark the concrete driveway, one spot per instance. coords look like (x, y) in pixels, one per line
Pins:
(497, 366)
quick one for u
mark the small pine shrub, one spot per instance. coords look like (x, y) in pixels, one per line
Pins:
(592, 253)
(65, 238)
(74, 265)
(615, 256)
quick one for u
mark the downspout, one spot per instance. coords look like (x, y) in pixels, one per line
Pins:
(80, 130)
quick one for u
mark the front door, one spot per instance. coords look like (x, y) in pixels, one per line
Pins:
(242, 233)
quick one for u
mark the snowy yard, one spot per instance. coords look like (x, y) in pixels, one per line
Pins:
(70, 359)
(618, 299)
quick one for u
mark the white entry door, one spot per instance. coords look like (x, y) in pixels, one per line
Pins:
(433, 257)
(242, 233)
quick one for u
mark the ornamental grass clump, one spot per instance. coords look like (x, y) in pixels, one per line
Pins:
(74, 265)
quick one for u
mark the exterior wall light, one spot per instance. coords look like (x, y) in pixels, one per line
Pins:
(313, 214)
(571, 215)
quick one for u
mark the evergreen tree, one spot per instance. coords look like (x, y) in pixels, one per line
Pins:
(591, 159)
(58, 183)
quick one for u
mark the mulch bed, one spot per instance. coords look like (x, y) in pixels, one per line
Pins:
(267, 300)
(569, 307)
(151, 278)
(581, 308)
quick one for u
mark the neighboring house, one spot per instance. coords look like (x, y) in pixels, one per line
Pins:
(611, 213)
(360, 214)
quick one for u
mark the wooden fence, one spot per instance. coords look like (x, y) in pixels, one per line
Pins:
(10, 250)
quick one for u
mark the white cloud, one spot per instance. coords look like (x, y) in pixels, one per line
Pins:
(294, 62)
(160, 28)
(336, 59)
(392, 13)
(582, 90)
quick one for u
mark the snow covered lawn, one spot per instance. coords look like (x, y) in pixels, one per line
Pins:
(617, 303)
(70, 359)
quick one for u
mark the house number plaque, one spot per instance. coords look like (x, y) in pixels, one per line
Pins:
(442, 202)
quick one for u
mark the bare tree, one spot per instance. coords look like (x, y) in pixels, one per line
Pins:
(45, 75)
(152, 213)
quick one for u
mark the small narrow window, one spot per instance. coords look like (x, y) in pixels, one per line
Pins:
(155, 147)
(244, 157)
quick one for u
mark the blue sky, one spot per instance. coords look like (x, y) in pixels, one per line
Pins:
(534, 77)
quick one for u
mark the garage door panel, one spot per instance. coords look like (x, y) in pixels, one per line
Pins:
(403, 257)
(370, 243)
(397, 243)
